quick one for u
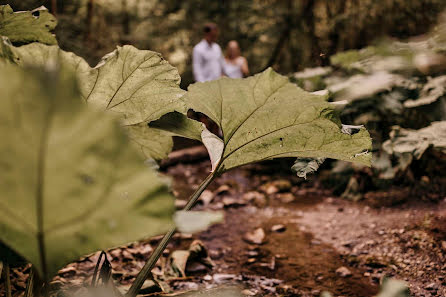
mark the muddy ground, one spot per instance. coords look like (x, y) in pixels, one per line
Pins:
(283, 236)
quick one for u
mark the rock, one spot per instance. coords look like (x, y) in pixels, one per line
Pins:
(285, 197)
(223, 189)
(252, 253)
(207, 277)
(271, 265)
(443, 245)
(206, 197)
(256, 237)
(215, 254)
(180, 204)
(281, 185)
(247, 292)
(222, 277)
(278, 228)
(257, 198)
(229, 201)
(343, 272)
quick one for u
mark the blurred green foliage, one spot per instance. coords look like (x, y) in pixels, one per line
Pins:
(288, 35)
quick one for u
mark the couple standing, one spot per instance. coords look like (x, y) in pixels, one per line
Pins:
(208, 62)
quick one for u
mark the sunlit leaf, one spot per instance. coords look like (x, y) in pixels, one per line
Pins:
(265, 117)
(27, 26)
(71, 184)
(137, 86)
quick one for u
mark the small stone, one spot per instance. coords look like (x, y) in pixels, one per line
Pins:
(256, 237)
(343, 272)
(223, 189)
(278, 228)
(286, 197)
(222, 277)
(206, 197)
(207, 277)
(271, 189)
(180, 204)
(282, 184)
(257, 198)
(229, 201)
(247, 292)
(215, 254)
(252, 253)
(443, 245)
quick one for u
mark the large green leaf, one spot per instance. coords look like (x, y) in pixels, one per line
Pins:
(265, 116)
(27, 26)
(137, 85)
(71, 184)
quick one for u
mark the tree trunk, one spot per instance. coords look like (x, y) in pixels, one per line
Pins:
(284, 36)
(54, 7)
(125, 19)
(89, 21)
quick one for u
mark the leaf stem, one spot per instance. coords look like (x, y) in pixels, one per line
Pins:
(147, 269)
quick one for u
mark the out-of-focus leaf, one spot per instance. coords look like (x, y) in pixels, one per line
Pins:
(362, 86)
(265, 117)
(434, 89)
(416, 142)
(394, 288)
(196, 221)
(152, 142)
(138, 86)
(27, 26)
(71, 184)
(304, 166)
(407, 144)
(312, 72)
(382, 164)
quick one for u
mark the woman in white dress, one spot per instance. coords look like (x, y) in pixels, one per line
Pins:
(234, 65)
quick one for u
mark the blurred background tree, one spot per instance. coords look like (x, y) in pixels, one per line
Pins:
(288, 35)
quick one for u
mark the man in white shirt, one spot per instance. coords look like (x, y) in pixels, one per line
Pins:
(207, 58)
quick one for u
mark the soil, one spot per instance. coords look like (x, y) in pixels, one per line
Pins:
(313, 241)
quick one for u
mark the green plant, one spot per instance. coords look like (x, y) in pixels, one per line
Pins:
(261, 117)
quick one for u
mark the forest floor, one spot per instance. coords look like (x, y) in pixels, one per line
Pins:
(282, 236)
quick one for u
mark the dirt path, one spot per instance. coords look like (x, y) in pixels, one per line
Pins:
(322, 234)
(312, 241)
